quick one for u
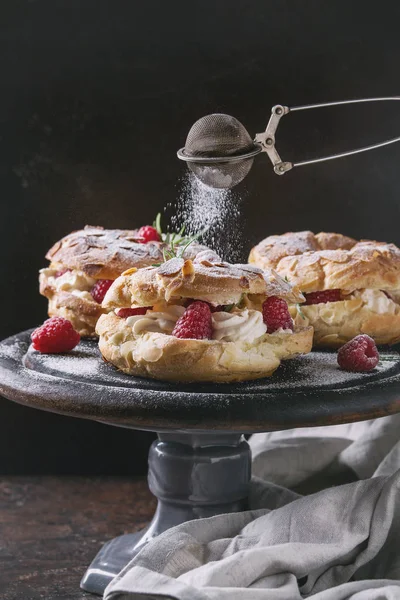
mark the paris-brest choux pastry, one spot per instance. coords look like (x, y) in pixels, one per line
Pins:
(200, 320)
(351, 287)
(85, 263)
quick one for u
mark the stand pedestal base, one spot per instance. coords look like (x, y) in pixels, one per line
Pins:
(192, 476)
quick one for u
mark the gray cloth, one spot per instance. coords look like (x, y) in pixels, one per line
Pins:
(339, 543)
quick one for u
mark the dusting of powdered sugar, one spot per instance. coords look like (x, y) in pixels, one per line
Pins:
(317, 370)
(12, 350)
(80, 383)
(79, 364)
(217, 212)
(321, 370)
(84, 363)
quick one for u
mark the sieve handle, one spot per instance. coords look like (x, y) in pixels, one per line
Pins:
(267, 138)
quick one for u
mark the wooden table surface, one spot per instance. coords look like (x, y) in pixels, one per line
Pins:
(52, 527)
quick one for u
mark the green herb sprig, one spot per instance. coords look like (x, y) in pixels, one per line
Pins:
(229, 307)
(298, 307)
(177, 242)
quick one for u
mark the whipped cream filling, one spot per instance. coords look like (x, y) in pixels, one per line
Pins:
(82, 294)
(244, 326)
(156, 321)
(376, 301)
(75, 282)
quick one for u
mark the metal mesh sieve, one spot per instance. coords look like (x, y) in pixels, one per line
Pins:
(220, 151)
(212, 139)
(222, 176)
(218, 135)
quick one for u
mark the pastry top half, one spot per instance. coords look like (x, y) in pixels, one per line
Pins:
(323, 261)
(204, 278)
(106, 253)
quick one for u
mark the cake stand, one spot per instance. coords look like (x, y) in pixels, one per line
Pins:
(200, 465)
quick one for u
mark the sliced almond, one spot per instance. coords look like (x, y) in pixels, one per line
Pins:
(172, 287)
(188, 269)
(171, 267)
(130, 271)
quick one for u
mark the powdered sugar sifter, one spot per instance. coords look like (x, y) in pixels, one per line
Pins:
(220, 151)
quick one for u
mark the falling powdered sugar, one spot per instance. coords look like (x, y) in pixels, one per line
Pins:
(216, 212)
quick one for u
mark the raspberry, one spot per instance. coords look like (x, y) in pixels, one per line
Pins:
(61, 272)
(55, 335)
(276, 314)
(124, 313)
(147, 233)
(195, 323)
(323, 297)
(213, 308)
(100, 289)
(359, 354)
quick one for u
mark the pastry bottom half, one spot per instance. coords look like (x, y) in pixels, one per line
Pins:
(165, 357)
(335, 323)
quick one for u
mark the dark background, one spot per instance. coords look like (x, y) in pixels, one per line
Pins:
(97, 96)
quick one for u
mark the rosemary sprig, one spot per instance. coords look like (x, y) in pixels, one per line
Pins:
(176, 242)
(157, 224)
(241, 303)
(229, 307)
(298, 307)
(168, 254)
(183, 249)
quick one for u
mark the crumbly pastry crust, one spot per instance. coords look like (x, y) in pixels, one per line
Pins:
(165, 357)
(106, 253)
(330, 260)
(215, 282)
(335, 323)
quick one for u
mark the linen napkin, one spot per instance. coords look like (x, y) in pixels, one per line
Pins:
(324, 523)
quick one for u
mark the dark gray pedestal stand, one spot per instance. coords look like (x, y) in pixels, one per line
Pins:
(200, 465)
(192, 476)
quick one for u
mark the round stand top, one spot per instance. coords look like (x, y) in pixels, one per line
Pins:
(308, 390)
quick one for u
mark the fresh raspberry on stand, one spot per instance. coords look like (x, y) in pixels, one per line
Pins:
(323, 297)
(124, 313)
(195, 323)
(61, 272)
(54, 336)
(100, 289)
(276, 314)
(147, 233)
(359, 354)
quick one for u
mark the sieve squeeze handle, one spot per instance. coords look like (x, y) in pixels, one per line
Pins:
(267, 138)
